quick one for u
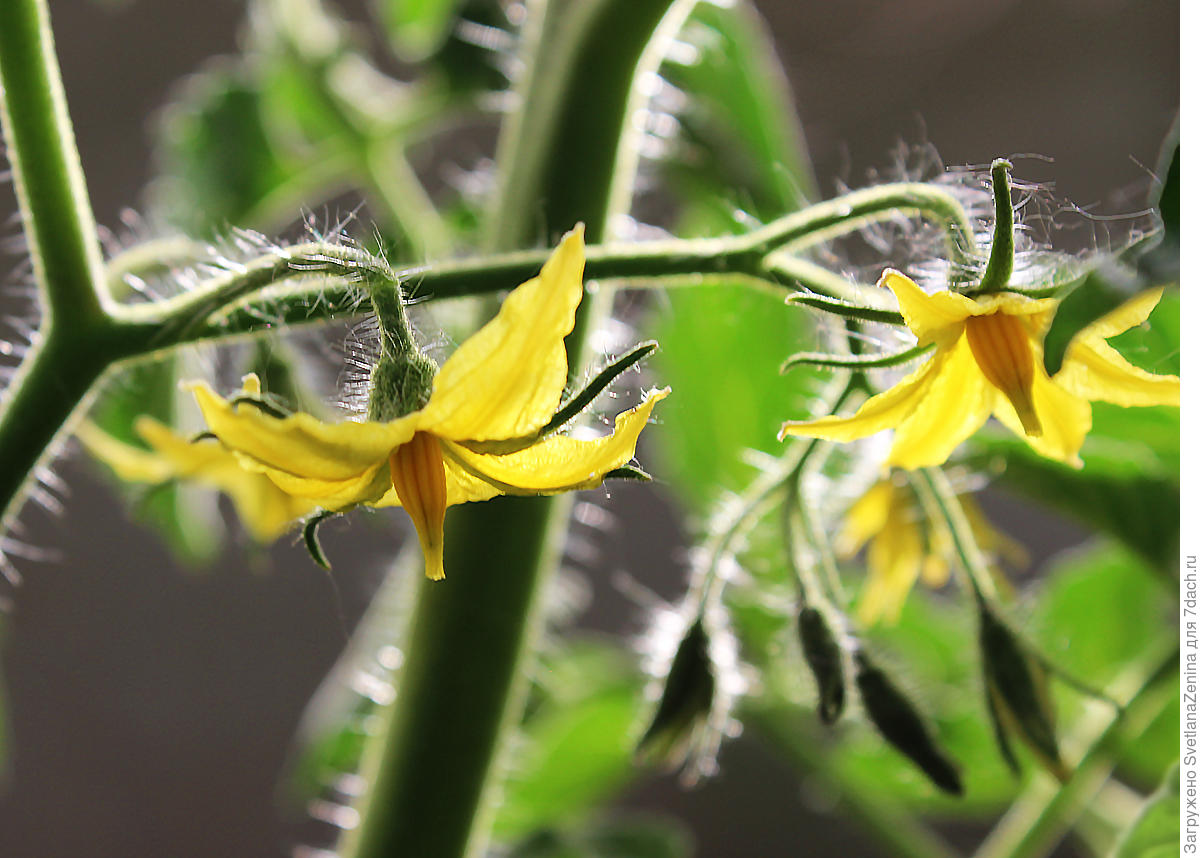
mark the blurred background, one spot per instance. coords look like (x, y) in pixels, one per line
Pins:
(151, 707)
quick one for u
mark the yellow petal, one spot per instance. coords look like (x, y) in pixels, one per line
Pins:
(954, 403)
(1133, 312)
(301, 445)
(1064, 417)
(1002, 346)
(330, 494)
(934, 318)
(129, 463)
(507, 379)
(893, 562)
(865, 518)
(882, 411)
(559, 464)
(462, 486)
(419, 481)
(1093, 369)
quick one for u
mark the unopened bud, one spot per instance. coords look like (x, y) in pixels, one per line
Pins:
(894, 715)
(687, 697)
(824, 657)
(1017, 697)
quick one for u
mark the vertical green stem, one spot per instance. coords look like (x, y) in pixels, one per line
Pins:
(465, 680)
(55, 208)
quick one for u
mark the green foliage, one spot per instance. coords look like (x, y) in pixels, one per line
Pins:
(1155, 831)
(630, 837)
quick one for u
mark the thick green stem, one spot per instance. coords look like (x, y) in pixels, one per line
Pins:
(465, 678)
(55, 209)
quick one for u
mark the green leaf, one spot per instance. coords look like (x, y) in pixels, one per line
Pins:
(185, 516)
(417, 27)
(620, 838)
(721, 347)
(739, 132)
(1101, 611)
(1155, 831)
(218, 164)
(576, 742)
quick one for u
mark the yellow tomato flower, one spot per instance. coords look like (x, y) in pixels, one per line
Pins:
(478, 435)
(266, 510)
(903, 544)
(987, 359)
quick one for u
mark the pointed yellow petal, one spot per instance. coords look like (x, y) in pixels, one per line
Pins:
(419, 480)
(893, 562)
(1064, 417)
(1133, 312)
(330, 494)
(507, 379)
(865, 518)
(954, 403)
(129, 463)
(934, 318)
(302, 445)
(882, 411)
(559, 464)
(1093, 369)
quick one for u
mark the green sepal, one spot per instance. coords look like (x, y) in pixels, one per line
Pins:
(312, 542)
(265, 402)
(847, 309)
(865, 361)
(1016, 685)
(824, 656)
(629, 472)
(572, 407)
(687, 697)
(899, 722)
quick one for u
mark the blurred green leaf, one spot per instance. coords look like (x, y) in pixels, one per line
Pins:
(185, 516)
(218, 164)
(1100, 611)
(417, 27)
(1155, 831)
(576, 743)
(721, 346)
(739, 133)
(619, 838)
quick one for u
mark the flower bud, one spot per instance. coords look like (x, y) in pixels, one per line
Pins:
(687, 697)
(824, 657)
(1017, 698)
(894, 715)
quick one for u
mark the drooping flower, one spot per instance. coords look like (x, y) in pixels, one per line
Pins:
(987, 359)
(266, 510)
(479, 433)
(904, 544)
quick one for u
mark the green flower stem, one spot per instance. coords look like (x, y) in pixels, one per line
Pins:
(1000, 260)
(938, 496)
(890, 824)
(465, 677)
(154, 258)
(55, 209)
(1039, 818)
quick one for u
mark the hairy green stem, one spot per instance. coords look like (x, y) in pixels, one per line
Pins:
(55, 209)
(938, 496)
